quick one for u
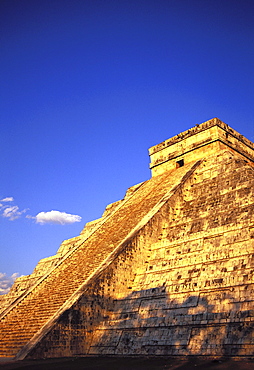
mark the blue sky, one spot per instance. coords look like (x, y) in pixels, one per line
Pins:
(86, 87)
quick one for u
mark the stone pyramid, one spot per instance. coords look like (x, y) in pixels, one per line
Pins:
(168, 270)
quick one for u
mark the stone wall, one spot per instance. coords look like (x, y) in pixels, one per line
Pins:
(183, 285)
(33, 315)
(202, 140)
(24, 283)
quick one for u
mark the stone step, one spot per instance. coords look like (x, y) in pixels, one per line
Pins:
(35, 309)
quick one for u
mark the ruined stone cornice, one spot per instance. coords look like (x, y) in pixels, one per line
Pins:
(197, 129)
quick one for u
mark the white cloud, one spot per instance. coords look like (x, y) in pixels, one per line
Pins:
(29, 216)
(8, 211)
(12, 213)
(56, 217)
(7, 199)
(6, 282)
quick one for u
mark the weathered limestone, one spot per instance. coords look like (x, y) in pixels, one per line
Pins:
(211, 137)
(44, 266)
(166, 271)
(24, 283)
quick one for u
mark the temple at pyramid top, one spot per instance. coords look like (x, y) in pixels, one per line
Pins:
(196, 143)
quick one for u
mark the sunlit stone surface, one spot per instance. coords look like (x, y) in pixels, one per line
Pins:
(168, 270)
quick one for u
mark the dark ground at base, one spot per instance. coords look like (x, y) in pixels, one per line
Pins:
(129, 363)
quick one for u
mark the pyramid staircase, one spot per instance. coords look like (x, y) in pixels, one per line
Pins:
(30, 318)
